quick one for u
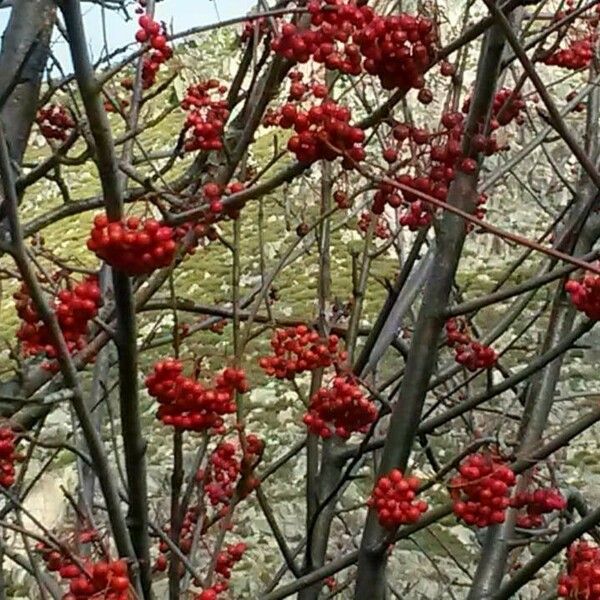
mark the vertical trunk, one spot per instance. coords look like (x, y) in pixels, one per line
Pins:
(421, 361)
(25, 49)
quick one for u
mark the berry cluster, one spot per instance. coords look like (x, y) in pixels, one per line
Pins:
(436, 158)
(207, 113)
(467, 352)
(394, 499)
(55, 122)
(354, 39)
(227, 466)
(201, 231)
(213, 194)
(506, 107)
(323, 132)
(577, 55)
(536, 504)
(439, 160)
(186, 537)
(585, 295)
(299, 89)
(398, 49)
(7, 457)
(101, 579)
(480, 209)
(74, 307)
(341, 199)
(382, 228)
(328, 39)
(298, 349)
(582, 579)
(154, 35)
(226, 560)
(480, 493)
(188, 405)
(386, 193)
(134, 246)
(340, 409)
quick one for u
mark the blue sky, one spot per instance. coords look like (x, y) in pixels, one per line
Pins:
(183, 14)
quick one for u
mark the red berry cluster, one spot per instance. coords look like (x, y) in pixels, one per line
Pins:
(582, 579)
(585, 295)
(341, 199)
(55, 122)
(507, 106)
(299, 89)
(134, 246)
(226, 560)
(202, 232)
(480, 493)
(394, 499)
(340, 409)
(352, 39)
(480, 209)
(226, 465)
(213, 194)
(417, 215)
(7, 457)
(577, 55)
(398, 49)
(382, 228)
(436, 158)
(328, 39)
(467, 352)
(153, 34)
(74, 307)
(386, 194)
(299, 349)
(186, 537)
(536, 504)
(107, 580)
(323, 132)
(439, 160)
(188, 405)
(207, 113)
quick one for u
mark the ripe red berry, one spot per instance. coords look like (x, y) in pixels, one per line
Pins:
(447, 69)
(186, 404)
(581, 581)
(299, 349)
(323, 132)
(74, 306)
(133, 246)
(467, 352)
(585, 295)
(394, 499)
(468, 165)
(536, 504)
(481, 491)
(7, 457)
(382, 229)
(425, 96)
(55, 122)
(207, 114)
(340, 409)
